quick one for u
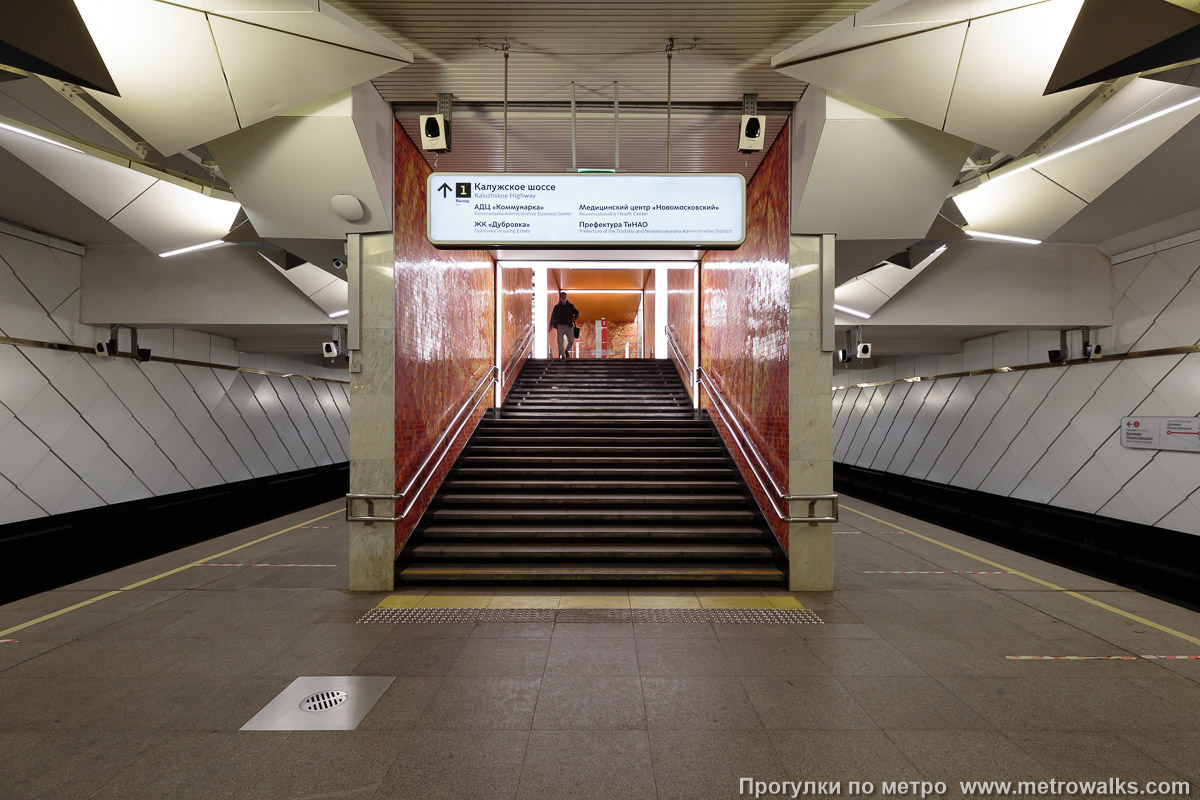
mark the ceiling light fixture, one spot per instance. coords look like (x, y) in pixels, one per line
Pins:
(510, 264)
(337, 314)
(1034, 164)
(32, 135)
(192, 248)
(1000, 237)
(845, 310)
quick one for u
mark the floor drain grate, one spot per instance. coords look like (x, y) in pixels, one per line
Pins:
(765, 616)
(340, 703)
(323, 701)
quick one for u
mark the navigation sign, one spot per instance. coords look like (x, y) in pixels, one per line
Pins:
(597, 210)
(1161, 433)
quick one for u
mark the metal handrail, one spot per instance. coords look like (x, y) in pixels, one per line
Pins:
(370, 499)
(772, 492)
(526, 340)
(673, 343)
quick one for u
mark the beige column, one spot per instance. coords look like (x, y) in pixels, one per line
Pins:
(372, 408)
(810, 416)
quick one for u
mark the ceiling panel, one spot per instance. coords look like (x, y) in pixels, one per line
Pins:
(594, 42)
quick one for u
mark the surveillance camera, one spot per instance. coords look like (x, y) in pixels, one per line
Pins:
(330, 349)
(106, 349)
(864, 350)
(339, 264)
(751, 136)
(1095, 351)
(844, 356)
(142, 354)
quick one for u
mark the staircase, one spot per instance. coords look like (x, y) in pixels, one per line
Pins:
(594, 471)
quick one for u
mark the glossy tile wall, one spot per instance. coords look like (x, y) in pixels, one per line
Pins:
(618, 334)
(517, 307)
(78, 432)
(744, 302)
(681, 316)
(445, 336)
(1049, 436)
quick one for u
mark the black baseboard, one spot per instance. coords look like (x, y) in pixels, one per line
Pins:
(1157, 561)
(48, 552)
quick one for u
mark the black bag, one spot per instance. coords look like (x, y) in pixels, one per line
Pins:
(575, 333)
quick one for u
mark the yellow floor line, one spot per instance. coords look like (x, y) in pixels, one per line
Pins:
(1039, 581)
(195, 563)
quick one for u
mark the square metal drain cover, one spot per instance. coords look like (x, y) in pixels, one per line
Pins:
(320, 703)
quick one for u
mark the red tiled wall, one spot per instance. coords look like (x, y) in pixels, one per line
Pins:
(744, 326)
(516, 303)
(445, 334)
(619, 333)
(681, 314)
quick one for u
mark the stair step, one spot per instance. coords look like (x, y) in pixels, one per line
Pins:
(609, 473)
(602, 572)
(571, 515)
(459, 485)
(598, 449)
(589, 441)
(685, 551)
(584, 501)
(582, 531)
(539, 462)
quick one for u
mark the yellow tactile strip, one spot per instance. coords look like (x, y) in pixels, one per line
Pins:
(628, 601)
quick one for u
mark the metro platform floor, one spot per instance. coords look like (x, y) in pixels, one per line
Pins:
(140, 693)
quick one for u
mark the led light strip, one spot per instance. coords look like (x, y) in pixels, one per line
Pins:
(33, 135)
(851, 311)
(192, 248)
(1000, 237)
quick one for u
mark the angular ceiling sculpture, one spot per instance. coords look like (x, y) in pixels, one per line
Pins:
(839, 190)
(161, 211)
(48, 37)
(976, 69)
(190, 72)
(1034, 197)
(1114, 38)
(286, 169)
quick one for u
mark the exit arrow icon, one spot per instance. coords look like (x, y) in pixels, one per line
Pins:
(445, 187)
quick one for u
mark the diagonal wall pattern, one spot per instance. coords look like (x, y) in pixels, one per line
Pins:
(1051, 435)
(78, 432)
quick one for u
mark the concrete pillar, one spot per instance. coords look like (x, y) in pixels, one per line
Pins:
(373, 408)
(810, 416)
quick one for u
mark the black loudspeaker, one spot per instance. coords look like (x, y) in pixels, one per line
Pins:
(1055, 356)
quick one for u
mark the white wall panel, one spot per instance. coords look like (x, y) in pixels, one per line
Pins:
(77, 432)
(1051, 435)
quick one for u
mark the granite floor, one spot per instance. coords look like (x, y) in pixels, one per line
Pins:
(140, 694)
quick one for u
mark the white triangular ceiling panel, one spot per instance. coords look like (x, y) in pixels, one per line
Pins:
(930, 12)
(270, 72)
(912, 76)
(164, 63)
(841, 36)
(191, 73)
(167, 217)
(1007, 60)
(1091, 170)
(1025, 204)
(330, 25)
(101, 186)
